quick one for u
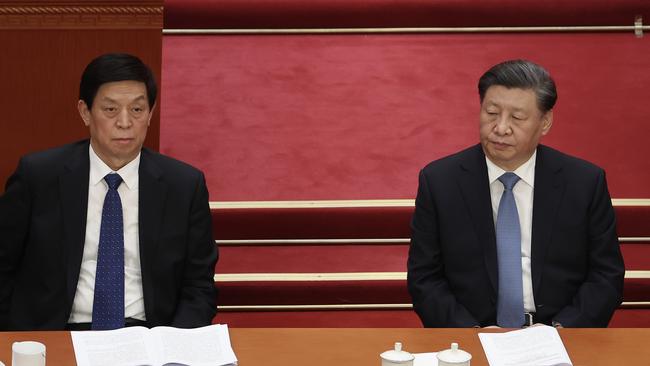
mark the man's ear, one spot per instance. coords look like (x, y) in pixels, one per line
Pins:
(84, 112)
(547, 122)
(150, 114)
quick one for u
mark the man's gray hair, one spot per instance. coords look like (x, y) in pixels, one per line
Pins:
(524, 75)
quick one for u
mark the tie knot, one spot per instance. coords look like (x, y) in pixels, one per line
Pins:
(113, 180)
(509, 180)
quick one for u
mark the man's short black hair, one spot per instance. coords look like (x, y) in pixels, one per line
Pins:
(115, 67)
(524, 75)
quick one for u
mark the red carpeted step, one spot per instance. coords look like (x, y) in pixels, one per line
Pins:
(631, 318)
(633, 221)
(312, 258)
(315, 253)
(320, 319)
(358, 222)
(636, 256)
(636, 289)
(352, 258)
(312, 223)
(623, 318)
(300, 292)
(313, 292)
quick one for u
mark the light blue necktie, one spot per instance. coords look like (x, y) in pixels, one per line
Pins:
(510, 301)
(108, 303)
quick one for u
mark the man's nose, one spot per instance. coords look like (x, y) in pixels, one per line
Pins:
(123, 119)
(502, 126)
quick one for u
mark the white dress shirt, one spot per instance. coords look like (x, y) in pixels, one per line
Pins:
(523, 192)
(82, 307)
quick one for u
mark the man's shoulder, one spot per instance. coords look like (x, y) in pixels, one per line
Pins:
(55, 157)
(449, 163)
(169, 166)
(569, 163)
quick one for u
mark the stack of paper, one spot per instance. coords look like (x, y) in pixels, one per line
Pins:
(533, 346)
(139, 346)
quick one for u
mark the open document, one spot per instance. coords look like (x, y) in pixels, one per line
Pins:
(534, 346)
(139, 346)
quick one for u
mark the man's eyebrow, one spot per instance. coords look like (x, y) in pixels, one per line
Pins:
(491, 103)
(107, 99)
(141, 97)
(517, 109)
(136, 99)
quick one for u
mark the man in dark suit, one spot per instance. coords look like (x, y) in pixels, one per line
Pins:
(104, 233)
(510, 232)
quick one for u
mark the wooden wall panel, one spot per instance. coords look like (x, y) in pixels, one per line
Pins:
(45, 47)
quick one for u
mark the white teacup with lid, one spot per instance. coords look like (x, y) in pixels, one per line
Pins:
(397, 357)
(453, 357)
(28, 353)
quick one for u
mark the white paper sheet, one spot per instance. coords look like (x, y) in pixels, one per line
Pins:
(425, 359)
(533, 346)
(137, 346)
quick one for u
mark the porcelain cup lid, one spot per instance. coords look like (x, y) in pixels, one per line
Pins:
(397, 355)
(454, 355)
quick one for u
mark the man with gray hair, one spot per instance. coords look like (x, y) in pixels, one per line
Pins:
(509, 232)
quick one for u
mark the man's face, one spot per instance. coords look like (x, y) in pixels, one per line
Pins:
(511, 125)
(118, 121)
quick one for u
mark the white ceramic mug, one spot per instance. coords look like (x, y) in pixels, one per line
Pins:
(28, 353)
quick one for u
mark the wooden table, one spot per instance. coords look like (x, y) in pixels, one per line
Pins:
(362, 346)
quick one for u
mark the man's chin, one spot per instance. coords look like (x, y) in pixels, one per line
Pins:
(500, 157)
(125, 154)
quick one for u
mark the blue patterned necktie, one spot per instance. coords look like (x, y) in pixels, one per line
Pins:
(510, 301)
(108, 304)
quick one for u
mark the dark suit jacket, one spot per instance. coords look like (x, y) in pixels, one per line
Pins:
(577, 268)
(42, 229)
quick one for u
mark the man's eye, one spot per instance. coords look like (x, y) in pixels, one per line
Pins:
(110, 109)
(518, 118)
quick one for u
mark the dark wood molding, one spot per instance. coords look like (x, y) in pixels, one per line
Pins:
(81, 17)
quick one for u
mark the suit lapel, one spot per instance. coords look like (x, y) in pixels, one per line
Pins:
(73, 188)
(549, 188)
(475, 188)
(152, 194)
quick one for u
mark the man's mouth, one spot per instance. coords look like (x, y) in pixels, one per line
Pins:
(123, 140)
(500, 145)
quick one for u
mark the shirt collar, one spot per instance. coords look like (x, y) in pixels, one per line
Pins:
(526, 171)
(99, 169)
